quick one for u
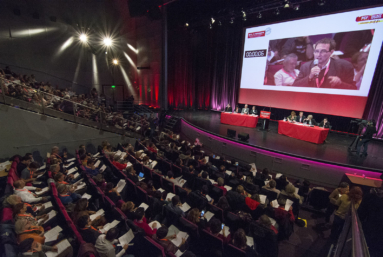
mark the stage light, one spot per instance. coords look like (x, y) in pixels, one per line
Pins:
(107, 41)
(321, 2)
(287, 4)
(231, 20)
(259, 16)
(210, 26)
(115, 61)
(186, 24)
(83, 38)
(212, 20)
(276, 12)
(296, 7)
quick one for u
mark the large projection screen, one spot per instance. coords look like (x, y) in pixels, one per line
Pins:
(322, 64)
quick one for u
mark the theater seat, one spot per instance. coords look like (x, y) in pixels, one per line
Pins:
(231, 250)
(7, 215)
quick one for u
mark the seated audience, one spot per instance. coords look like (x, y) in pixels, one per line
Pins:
(290, 191)
(223, 204)
(81, 209)
(66, 196)
(175, 205)
(116, 162)
(129, 210)
(240, 241)
(26, 195)
(112, 193)
(31, 248)
(220, 184)
(216, 228)
(23, 164)
(24, 230)
(194, 216)
(169, 247)
(87, 231)
(90, 169)
(105, 245)
(140, 221)
(271, 186)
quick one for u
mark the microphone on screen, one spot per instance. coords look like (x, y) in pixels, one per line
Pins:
(316, 64)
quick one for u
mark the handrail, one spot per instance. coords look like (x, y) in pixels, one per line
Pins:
(359, 245)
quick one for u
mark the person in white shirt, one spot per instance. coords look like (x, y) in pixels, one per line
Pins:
(287, 75)
(104, 245)
(359, 61)
(26, 195)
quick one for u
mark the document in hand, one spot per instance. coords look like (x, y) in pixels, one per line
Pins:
(52, 234)
(103, 168)
(97, 163)
(209, 215)
(288, 204)
(120, 186)
(76, 175)
(86, 196)
(118, 153)
(123, 155)
(51, 214)
(47, 205)
(228, 188)
(161, 190)
(61, 247)
(228, 172)
(126, 238)
(262, 198)
(97, 154)
(71, 160)
(41, 174)
(68, 165)
(158, 224)
(250, 241)
(81, 186)
(43, 191)
(144, 205)
(207, 158)
(78, 182)
(109, 226)
(275, 204)
(179, 235)
(98, 213)
(278, 175)
(185, 207)
(227, 232)
(170, 196)
(208, 198)
(153, 164)
(72, 170)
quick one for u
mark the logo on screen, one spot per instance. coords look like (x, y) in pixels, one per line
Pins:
(256, 34)
(373, 17)
(255, 53)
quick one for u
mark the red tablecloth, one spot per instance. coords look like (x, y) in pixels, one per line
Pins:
(315, 135)
(236, 119)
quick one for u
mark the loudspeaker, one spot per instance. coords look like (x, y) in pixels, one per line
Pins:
(137, 8)
(243, 136)
(231, 133)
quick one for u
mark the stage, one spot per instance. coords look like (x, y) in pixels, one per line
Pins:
(334, 150)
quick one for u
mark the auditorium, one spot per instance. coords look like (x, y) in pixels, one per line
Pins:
(193, 128)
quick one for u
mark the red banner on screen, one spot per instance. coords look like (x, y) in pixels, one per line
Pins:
(369, 17)
(256, 34)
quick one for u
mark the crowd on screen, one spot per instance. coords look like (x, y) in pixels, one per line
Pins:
(341, 60)
(247, 210)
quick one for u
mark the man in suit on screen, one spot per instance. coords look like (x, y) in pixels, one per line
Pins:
(246, 109)
(324, 71)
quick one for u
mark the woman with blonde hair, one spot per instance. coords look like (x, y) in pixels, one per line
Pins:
(194, 216)
(292, 117)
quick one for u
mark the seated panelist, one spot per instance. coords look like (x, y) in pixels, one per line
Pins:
(310, 120)
(254, 110)
(245, 110)
(237, 109)
(228, 108)
(324, 123)
(301, 118)
(292, 116)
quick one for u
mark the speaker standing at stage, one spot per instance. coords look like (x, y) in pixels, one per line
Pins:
(366, 138)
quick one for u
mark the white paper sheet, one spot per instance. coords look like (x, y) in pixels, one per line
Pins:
(158, 224)
(68, 165)
(250, 241)
(62, 246)
(273, 221)
(153, 164)
(52, 234)
(278, 175)
(275, 204)
(71, 160)
(86, 196)
(209, 215)
(72, 170)
(97, 154)
(170, 196)
(207, 158)
(51, 214)
(288, 204)
(144, 205)
(228, 172)
(98, 213)
(126, 238)
(120, 185)
(228, 188)
(118, 153)
(97, 163)
(185, 207)
(103, 168)
(208, 198)
(178, 240)
(123, 155)
(109, 226)
(262, 198)
(42, 167)
(161, 190)
(212, 181)
(227, 232)
(43, 191)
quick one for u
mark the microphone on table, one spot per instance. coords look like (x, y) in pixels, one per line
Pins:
(316, 64)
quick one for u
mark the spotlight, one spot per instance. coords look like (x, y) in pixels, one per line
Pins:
(231, 20)
(115, 61)
(321, 2)
(212, 20)
(287, 4)
(186, 24)
(276, 12)
(296, 7)
(107, 41)
(83, 38)
(243, 13)
(259, 16)
(210, 26)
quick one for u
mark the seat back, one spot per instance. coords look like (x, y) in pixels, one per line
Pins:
(152, 248)
(177, 171)
(216, 193)
(182, 193)
(142, 195)
(231, 250)
(218, 212)
(271, 195)
(157, 180)
(210, 241)
(168, 185)
(258, 182)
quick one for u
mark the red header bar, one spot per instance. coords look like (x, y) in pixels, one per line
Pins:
(369, 17)
(256, 34)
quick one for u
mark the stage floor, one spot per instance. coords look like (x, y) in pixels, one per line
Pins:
(335, 149)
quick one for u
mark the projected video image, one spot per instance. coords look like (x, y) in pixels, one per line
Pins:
(335, 60)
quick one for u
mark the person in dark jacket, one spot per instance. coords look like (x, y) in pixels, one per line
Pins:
(87, 231)
(366, 138)
(164, 241)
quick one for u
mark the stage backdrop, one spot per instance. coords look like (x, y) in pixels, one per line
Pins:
(278, 59)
